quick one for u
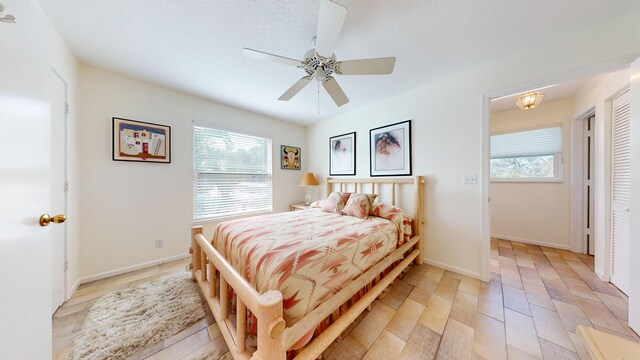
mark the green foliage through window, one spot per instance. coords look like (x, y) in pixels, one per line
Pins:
(523, 167)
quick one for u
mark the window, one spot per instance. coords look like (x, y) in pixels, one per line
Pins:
(532, 155)
(232, 174)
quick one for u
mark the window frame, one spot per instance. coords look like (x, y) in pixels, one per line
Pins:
(227, 216)
(558, 159)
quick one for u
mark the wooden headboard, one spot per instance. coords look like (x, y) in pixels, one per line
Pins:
(374, 186)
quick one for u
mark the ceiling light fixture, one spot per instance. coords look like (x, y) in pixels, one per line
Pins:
(6, 18)
(529, 100)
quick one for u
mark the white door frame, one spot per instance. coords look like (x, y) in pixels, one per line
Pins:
(66, 294)
(550, 80)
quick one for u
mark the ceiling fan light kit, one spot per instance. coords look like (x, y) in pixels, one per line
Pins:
(6, 18)
(320, 63)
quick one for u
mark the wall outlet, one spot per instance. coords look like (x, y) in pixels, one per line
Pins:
(159, 243)
(471, 179)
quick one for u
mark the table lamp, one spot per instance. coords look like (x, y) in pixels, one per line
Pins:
(308, 179)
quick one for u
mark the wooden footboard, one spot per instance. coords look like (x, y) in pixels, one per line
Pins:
(213, 273)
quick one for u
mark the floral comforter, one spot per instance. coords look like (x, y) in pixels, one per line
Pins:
(308, 255)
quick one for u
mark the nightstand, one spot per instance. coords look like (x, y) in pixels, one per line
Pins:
(296, 207)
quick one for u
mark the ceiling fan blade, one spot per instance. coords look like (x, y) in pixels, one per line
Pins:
(299, 85)
(379, 66)
(330, 23)
(270, 57)
(335, 91)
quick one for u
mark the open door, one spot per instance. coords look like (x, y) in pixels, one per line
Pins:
(634, 236)
(25, 185)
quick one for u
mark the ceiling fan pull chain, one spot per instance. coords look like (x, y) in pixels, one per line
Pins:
(318, 97)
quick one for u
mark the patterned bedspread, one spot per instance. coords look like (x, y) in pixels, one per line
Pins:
(307, 255)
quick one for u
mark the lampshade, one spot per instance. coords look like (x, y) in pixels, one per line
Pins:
(308, 179)
(529, 100)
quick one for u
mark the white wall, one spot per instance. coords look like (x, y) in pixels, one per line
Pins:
(534, 212)
(596, 95)
(126, 206)
(449, 137)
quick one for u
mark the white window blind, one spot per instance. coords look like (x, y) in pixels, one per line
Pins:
(232, 173)
(539, 142)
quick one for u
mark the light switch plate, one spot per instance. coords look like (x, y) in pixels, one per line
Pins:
(471, 179)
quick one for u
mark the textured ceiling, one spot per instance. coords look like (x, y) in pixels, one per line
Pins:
(195, 45)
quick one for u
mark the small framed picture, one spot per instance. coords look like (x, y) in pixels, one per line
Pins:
(290, 157)
(141, 141)
(390, 148)
(342, 154)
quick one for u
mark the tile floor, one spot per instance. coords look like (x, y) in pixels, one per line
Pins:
(529, 310)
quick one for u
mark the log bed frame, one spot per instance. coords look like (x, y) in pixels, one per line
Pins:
(213, 273)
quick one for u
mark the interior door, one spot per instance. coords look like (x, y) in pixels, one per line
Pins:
(634, 290)
(25, 185)
(621, 191)
(58, 187)
(588, 181)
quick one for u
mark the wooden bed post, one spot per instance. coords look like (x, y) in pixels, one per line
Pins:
(271, 325)
(419, 219)
(195, 251)
(328, 188)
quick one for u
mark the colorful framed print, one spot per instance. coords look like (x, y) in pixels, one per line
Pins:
(290, 157)
(141, 141)
(342, 154)
(390, 148)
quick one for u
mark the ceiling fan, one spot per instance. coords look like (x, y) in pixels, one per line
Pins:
(320, 62)
(6, 18)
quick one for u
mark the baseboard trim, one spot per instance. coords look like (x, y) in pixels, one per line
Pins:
(453, 268)
(126, 269)
(601, 276)
(532, 242)
(73, 289)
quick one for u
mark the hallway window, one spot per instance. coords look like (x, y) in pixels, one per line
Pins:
(531, 155)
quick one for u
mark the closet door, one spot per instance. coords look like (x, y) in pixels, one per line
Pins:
(621, 189)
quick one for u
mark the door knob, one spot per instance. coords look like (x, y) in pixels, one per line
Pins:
(46, 219)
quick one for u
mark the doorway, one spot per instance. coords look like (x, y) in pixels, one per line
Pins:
(59, 188)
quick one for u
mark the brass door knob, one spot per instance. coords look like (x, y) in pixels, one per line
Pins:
(47, 219)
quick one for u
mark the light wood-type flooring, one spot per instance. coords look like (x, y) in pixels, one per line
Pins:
(529, 310)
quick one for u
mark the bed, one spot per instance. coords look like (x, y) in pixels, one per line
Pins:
(297, 270)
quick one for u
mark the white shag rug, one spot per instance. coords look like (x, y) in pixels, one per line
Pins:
(126, 321)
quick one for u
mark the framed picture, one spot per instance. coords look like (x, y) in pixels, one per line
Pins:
(141, 141)
(290, 157)
(342, 154)
(390, 148)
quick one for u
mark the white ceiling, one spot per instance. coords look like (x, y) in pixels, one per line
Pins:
(195, 45)
(551, 93)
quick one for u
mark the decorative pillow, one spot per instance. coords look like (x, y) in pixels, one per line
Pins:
(335, 202)
(359, 205)
(397, 216)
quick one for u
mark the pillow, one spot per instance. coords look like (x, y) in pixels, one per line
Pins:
(335, 202)
(397, 216)
(316, 204)
(359, 205)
